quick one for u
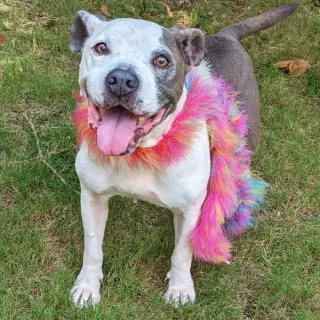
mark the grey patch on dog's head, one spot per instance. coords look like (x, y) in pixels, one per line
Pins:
(170, 80)
(187, 48)
(83, 26)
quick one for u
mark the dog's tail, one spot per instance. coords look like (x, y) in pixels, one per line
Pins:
(265, 20)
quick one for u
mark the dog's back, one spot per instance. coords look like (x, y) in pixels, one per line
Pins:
(229, 59)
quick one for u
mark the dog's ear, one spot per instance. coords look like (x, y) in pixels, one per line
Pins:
(83, 27)
(177, 28)
(192, 44)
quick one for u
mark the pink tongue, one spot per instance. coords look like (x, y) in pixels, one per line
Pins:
(115, 131)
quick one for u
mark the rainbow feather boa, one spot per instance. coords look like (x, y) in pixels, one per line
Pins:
(233, 192)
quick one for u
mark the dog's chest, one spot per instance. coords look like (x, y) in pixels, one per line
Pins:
(141, 184)
(175, 186)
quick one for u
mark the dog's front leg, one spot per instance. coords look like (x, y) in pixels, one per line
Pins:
(181, 288)
(94, 211)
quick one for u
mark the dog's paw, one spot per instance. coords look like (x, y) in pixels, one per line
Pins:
(86, 291)
(180, 296)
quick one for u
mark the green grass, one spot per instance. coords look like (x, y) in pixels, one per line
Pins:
(275, 272)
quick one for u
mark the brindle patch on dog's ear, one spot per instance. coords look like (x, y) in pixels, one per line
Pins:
(192, 44)
(82, 28)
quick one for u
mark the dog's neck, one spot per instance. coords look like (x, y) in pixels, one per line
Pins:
(156, 134)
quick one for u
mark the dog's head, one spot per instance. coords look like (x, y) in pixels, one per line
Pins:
(132, 72)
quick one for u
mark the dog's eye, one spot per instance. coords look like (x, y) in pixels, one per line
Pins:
(161, 61)
(101, 48)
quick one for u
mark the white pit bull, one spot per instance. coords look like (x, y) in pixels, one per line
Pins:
(133, 73)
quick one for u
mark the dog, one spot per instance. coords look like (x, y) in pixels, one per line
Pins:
(133, 78)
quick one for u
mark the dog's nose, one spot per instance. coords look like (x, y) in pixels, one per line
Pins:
(122, 82)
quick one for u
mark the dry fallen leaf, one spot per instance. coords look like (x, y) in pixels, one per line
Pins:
(2, 38)
(131, 9)
(169, 12)
(283, 64)
(105, 11)
(298, 67)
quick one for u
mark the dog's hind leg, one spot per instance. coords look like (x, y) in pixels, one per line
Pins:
(181, 288)
(94, 211)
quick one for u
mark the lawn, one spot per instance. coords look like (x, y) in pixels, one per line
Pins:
(275, 271)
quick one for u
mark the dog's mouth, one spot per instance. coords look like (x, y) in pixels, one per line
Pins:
(119, 130)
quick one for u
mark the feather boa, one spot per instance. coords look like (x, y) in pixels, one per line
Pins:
(233, 193)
